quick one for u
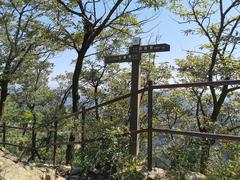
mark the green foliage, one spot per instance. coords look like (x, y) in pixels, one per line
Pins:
(22, 37)
(224, 161)
(130, 171)
(184, 153)
(194, 68)
(156, 4)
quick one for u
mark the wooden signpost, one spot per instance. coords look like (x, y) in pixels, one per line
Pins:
(117, 59)
(134, 57)
(149, 48)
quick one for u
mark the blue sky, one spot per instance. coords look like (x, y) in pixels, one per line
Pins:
(165, 26)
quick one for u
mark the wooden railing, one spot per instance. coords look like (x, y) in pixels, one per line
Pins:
(149, 130)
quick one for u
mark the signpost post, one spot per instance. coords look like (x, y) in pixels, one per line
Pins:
(134, 57)
(135, 103)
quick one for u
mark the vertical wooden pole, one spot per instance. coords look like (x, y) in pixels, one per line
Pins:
(54, 143)
(83, 133)
(135, 104)
(150, 113)
(4, 134)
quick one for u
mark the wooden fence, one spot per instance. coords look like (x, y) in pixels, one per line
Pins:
(149, 130)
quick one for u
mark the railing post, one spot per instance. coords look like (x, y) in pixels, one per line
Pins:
(150, 113)
(83, 133)
(54, 142)
(4, 134)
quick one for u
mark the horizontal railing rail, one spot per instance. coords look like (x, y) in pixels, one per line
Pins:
(167, 131)
(199, 134)
(16, 127)
(197, 84)
(99, 105)
(16, 145)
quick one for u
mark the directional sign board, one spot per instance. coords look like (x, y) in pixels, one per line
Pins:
(134, 57)
(149, 48)
(118, 59)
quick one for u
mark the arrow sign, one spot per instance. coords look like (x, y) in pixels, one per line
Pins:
(149, 48)
(118, 59)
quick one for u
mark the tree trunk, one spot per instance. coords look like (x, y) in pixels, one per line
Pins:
(4, 94)
(206, 144)
(96, 102)
(69, 150)
(34, 136)
(76, 96)
(205, 150)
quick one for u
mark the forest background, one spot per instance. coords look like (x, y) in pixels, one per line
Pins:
(39, 40)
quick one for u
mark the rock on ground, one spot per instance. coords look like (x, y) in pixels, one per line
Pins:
(10, 169)
(195, 176)
(156, 173)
